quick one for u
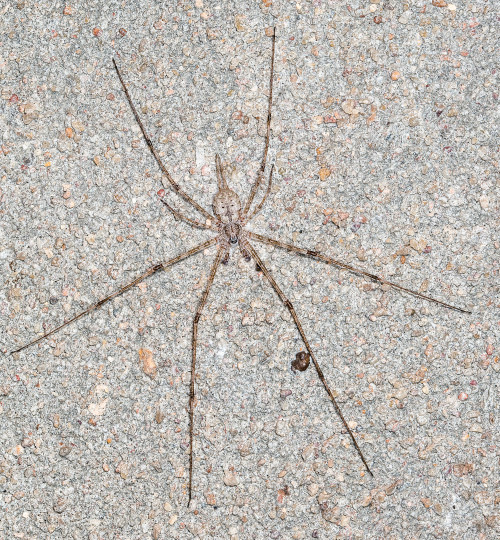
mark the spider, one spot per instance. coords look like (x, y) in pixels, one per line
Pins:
(229, 222)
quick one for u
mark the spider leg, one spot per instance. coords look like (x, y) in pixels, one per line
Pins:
(221, 251)
(182, 217)
(147, 273)
(319, 256)
(173, 183)
(260, 174)
(291, 309)
(221, 181)
(256, 210)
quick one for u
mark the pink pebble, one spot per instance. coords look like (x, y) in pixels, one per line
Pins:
(161, 193)
(473, 383)
(462, 396)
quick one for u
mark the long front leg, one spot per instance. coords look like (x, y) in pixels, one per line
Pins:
(260, 174)
(319, 256)
(147, 273)
(173, 183)
(291, 309)
(201, 305)
(256, 210)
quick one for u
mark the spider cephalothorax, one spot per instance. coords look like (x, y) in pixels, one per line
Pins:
(230, 220)
(227, 206)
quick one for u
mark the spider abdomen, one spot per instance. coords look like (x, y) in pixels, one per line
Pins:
(232, 231)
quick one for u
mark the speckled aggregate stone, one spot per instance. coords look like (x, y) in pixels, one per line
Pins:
(385, 142)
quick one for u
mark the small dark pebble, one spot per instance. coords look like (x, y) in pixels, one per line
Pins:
(301, 362)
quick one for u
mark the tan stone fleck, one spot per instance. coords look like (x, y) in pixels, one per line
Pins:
(147, 363)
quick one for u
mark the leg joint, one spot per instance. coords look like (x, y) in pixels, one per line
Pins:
(197, 318)
(288, 304)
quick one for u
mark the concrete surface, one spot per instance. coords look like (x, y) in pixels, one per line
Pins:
(385, 141)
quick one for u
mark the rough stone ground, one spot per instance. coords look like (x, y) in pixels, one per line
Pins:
(385, 141)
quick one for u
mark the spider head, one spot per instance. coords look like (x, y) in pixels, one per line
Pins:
(227, 206)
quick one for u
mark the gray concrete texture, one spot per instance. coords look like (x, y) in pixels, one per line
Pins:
(385, 143)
